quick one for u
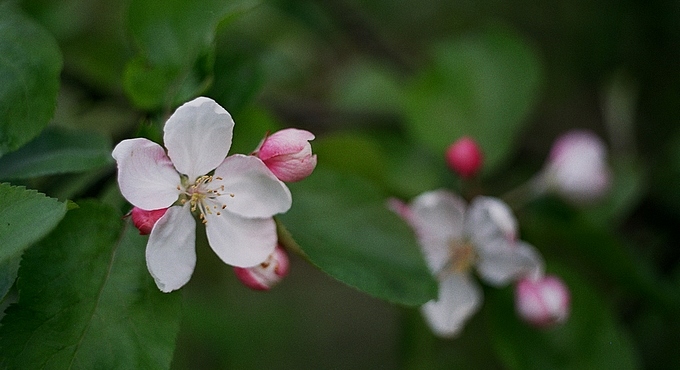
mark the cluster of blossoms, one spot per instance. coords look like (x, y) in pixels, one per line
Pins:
(235, 196)
(457, 238)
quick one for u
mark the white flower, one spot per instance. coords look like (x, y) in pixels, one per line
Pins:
(577, 167)
(454, 240)
(236, 202)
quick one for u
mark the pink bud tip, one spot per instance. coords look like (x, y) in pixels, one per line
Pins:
(288, 154)
(542, 302)
(464, 157)
(267, 274)
(144, 220)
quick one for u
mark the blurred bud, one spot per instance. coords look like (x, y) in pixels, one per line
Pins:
(288, 154)
(464, 157)
(577, 168)
(144, 220)
(542, 302)
(267, 274)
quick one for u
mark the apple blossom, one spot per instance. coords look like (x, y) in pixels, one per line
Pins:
(577, 167)
(267, 274)
(235, 197)
(454, 239)
(288, 154)
(542, 301)
(145, 220)
(464, 157)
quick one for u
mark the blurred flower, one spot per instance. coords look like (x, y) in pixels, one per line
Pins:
(236, 203)
(454, 240)
(288, 154)
(267, 274)
(464, 157)
(144, 220)
(577, 167)
(542, 301)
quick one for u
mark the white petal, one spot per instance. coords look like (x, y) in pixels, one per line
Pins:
(239, 241)
(459, 298)
(256, 191)
(171, 250)
(198, 137)
(501, 263)
(146, 176)
(488, 219)
(438, 218)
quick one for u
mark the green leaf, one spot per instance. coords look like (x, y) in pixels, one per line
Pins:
(25, 217)
(365, 86)
(353, 153)
(629, 185)
(238, 74)
(57, 151)
(151, 86)
(569, 235)
(9, 269)
(344, 227)
(87, 300)
(589, 339)
(175, 41)
(30, 63)
(482, 85)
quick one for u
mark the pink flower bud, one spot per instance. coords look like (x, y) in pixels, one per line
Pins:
(542, 302)
(288, 154)
(267, 274)
(577, 167)
(464, 157)
(144, 220)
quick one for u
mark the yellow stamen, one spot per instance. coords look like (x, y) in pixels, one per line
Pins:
(202, 197)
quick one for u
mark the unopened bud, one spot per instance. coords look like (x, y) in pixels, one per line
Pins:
(464, 157)
(542, 302)
(577, 168)
(144, 220)
(267, 274)
(288, 154)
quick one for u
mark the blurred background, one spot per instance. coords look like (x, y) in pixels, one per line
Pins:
(386, 86)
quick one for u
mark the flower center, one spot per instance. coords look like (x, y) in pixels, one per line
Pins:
(203, 196)
(461, 256)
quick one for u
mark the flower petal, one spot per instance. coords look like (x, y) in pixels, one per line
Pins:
(256, 191)
(459, 298)
(171, 250)
(146, 177)
(489, 219)
(239, 241)
(198, 136)
(501, 262)
(437, 217)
